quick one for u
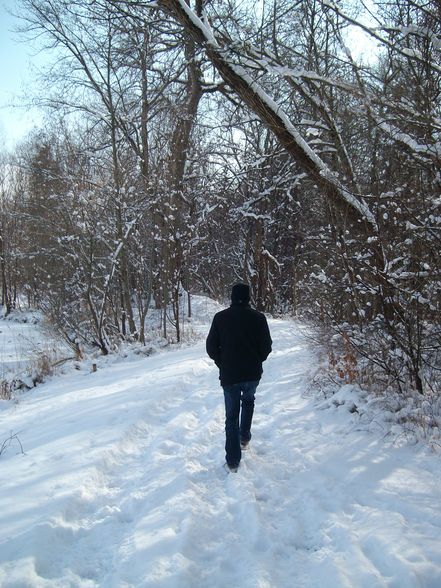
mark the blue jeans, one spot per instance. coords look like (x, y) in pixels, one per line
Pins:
(235, 395)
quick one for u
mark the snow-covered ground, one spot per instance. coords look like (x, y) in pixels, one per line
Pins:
(26, 346)
(20, 338)
(122, 484)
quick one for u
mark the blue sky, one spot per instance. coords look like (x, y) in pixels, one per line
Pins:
(17, 63)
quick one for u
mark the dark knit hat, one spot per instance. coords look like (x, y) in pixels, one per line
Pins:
(240, 293)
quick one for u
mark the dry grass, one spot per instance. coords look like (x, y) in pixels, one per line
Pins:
(343, 364)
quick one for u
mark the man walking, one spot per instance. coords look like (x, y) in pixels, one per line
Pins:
(239, 341)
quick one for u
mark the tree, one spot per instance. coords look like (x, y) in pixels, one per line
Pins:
(239, 63)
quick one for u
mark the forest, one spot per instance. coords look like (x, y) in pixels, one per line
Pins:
(189, 145)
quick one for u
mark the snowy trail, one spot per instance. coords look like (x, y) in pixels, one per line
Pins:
(122, 485)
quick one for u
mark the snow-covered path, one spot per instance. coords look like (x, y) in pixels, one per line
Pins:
(122, 485)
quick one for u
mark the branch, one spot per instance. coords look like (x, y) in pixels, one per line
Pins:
(405, 52)
(269, 112)
(7, 442)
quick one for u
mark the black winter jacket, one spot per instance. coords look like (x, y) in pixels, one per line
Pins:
(239, 341)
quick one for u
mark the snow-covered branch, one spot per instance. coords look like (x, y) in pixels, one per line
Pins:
(375, 33)
(269, 111)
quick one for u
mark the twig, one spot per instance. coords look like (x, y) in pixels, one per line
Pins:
(7, 442)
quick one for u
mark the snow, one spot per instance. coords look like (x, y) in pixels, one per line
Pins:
(421, 149)
(21, 336)
(122, 482)
(203, 24)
